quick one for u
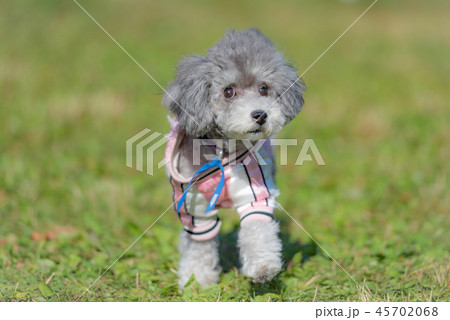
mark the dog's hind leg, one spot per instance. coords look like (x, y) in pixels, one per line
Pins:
(200, 258)
(260, 250)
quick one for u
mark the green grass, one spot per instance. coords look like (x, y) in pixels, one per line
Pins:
(377, 107)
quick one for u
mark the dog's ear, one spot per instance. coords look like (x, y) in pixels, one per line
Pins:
(188, 95)
(292, 98)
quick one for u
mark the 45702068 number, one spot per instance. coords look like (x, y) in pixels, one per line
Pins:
(407, 311)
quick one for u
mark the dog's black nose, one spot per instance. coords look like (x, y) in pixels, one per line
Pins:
(259, 116)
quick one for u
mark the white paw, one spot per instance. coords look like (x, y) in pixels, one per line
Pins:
(205, 275)
(260, 250)
(263, 271)
(198, 258)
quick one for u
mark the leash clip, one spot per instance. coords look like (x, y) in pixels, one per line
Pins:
(219, 154)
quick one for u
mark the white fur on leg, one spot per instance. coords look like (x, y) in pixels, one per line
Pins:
(260, 250)
(200, 258)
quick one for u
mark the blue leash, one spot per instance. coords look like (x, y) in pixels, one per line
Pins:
(212, 203)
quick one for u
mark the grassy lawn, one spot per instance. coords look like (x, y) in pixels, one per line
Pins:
(377, 107)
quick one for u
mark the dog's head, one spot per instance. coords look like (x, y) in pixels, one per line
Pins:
(243, 89)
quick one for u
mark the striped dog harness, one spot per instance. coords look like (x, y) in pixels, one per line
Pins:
(248, 187)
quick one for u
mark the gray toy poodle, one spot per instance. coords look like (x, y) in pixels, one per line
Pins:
(232, 101)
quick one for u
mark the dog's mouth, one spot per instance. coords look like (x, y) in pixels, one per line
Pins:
(256, 134)
(260, 132)
(256, 131)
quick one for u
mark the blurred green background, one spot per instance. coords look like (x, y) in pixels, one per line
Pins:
(377, 107)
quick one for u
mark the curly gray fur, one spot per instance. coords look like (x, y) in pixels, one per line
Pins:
(247, 62)
(243, 59)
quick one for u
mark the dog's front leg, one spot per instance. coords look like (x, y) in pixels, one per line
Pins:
(260, 250)
(200, 258)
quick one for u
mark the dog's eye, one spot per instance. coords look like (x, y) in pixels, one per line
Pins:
(263, 90)
(228, 93)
